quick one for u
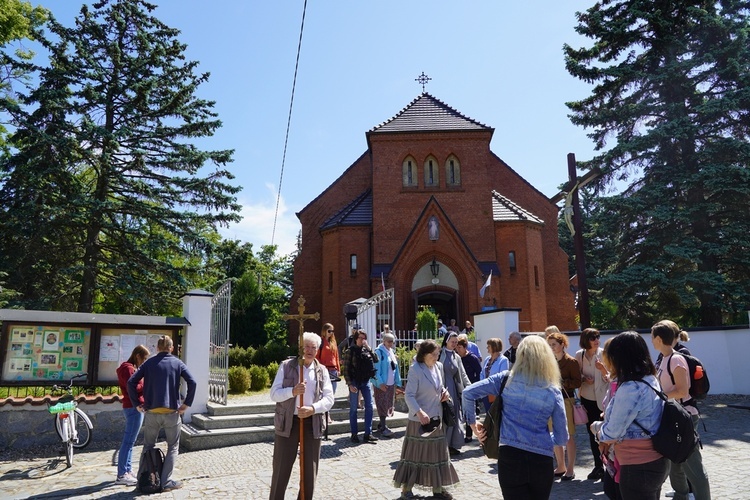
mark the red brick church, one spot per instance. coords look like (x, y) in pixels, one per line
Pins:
(429, 195)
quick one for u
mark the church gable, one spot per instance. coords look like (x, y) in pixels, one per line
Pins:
(428, 114)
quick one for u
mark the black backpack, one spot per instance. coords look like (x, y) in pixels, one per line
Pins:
(492, 424)
(149, 479)
(676, 438)
(699, 384)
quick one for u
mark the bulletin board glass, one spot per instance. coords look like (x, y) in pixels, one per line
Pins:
(117, 345)
(45, 353)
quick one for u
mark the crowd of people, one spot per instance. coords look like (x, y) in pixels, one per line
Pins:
(448, 386)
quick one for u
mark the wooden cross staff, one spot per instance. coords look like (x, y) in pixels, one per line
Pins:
(301, 317)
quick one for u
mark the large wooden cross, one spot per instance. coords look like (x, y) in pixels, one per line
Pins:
(301, 317)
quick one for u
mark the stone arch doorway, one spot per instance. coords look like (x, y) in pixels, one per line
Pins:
(439, 292)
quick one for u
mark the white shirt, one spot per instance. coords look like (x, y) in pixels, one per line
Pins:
(279, 393)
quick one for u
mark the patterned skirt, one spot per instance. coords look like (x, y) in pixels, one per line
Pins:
(384, 400)
(425, 462)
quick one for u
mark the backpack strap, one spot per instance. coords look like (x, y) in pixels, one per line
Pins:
(669, 368)
(661, 395)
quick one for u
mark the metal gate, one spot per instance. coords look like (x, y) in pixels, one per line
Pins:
(375, 312)
(218, 364)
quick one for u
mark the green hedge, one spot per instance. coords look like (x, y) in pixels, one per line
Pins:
(239, 379)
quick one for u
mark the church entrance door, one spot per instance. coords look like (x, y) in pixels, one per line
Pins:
(442, 302)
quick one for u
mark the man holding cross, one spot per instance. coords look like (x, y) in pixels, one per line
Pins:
(317, 393)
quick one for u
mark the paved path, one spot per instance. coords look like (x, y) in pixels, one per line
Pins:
(361, 471)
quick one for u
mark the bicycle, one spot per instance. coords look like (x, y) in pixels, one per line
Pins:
(72, 425)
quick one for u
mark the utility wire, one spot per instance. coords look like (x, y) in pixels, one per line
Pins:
(289, 121)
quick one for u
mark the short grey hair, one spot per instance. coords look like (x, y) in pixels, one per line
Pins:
(463, 336)
(311, 337)
(515, 335)
(388, 336)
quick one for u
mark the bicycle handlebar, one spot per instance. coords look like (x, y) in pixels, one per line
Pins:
(70, 384)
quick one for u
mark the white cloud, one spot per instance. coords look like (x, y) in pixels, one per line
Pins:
(256, 226)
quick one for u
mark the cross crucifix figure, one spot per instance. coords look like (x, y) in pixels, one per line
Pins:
(423, 79)
(301, 317)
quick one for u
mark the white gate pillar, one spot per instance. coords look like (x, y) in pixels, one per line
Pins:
(496, 323)
(196, 343)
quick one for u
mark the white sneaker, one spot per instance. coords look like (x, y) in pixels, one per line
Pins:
(126, 480)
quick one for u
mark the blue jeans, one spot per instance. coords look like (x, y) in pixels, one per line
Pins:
(364, 388)
(171, 423)
(133, 422)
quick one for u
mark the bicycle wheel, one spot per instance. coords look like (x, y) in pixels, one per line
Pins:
(69, 452)
(84, 432)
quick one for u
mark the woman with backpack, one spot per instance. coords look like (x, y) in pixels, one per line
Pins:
(674, 377)
(642, 469)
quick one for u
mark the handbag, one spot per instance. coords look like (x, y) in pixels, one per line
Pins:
(580, 417)
(449, 416)
(491, 424)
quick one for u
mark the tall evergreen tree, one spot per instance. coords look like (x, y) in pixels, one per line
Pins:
(671, 85)
(139, 191)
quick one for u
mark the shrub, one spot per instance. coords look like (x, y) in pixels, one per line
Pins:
(404, 356)
(426, 324)
(259, 378)
(239, 379)
(239, 356)
(272, 368)
(278, 352)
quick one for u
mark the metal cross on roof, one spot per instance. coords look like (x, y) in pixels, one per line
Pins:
(422, 79)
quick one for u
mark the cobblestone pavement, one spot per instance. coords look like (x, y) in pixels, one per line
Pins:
(350, 470)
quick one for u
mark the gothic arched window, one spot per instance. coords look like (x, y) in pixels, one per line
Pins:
(452, 171)
(431, 172)
(409, 172)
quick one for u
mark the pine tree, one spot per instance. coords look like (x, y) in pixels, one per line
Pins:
(671, 86)
(140, 193)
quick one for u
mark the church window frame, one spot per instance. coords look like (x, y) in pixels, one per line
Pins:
(536, 276)
(409, 177)
(512, 261)
(353, 264)
(452, 171)
(431, 172)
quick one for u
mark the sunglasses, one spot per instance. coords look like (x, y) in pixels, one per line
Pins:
(330, 331)
(595, 337)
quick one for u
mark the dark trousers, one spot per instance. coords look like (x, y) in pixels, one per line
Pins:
(643, 481)
(284, 456)
(594, 414)
(524, 475)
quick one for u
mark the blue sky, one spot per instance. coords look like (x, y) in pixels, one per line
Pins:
(498, 62)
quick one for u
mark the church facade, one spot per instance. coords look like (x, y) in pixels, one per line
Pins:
(429, 210)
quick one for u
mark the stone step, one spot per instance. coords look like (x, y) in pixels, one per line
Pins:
(253, 408)
(195, 438)
(211, 422)
(230, 425)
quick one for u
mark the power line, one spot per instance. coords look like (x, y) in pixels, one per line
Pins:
(289, 121)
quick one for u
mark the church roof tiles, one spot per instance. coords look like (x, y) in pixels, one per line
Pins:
(428, 114)
(504, 210)
(356, 213)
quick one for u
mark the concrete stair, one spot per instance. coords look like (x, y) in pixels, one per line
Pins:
(253, 423)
